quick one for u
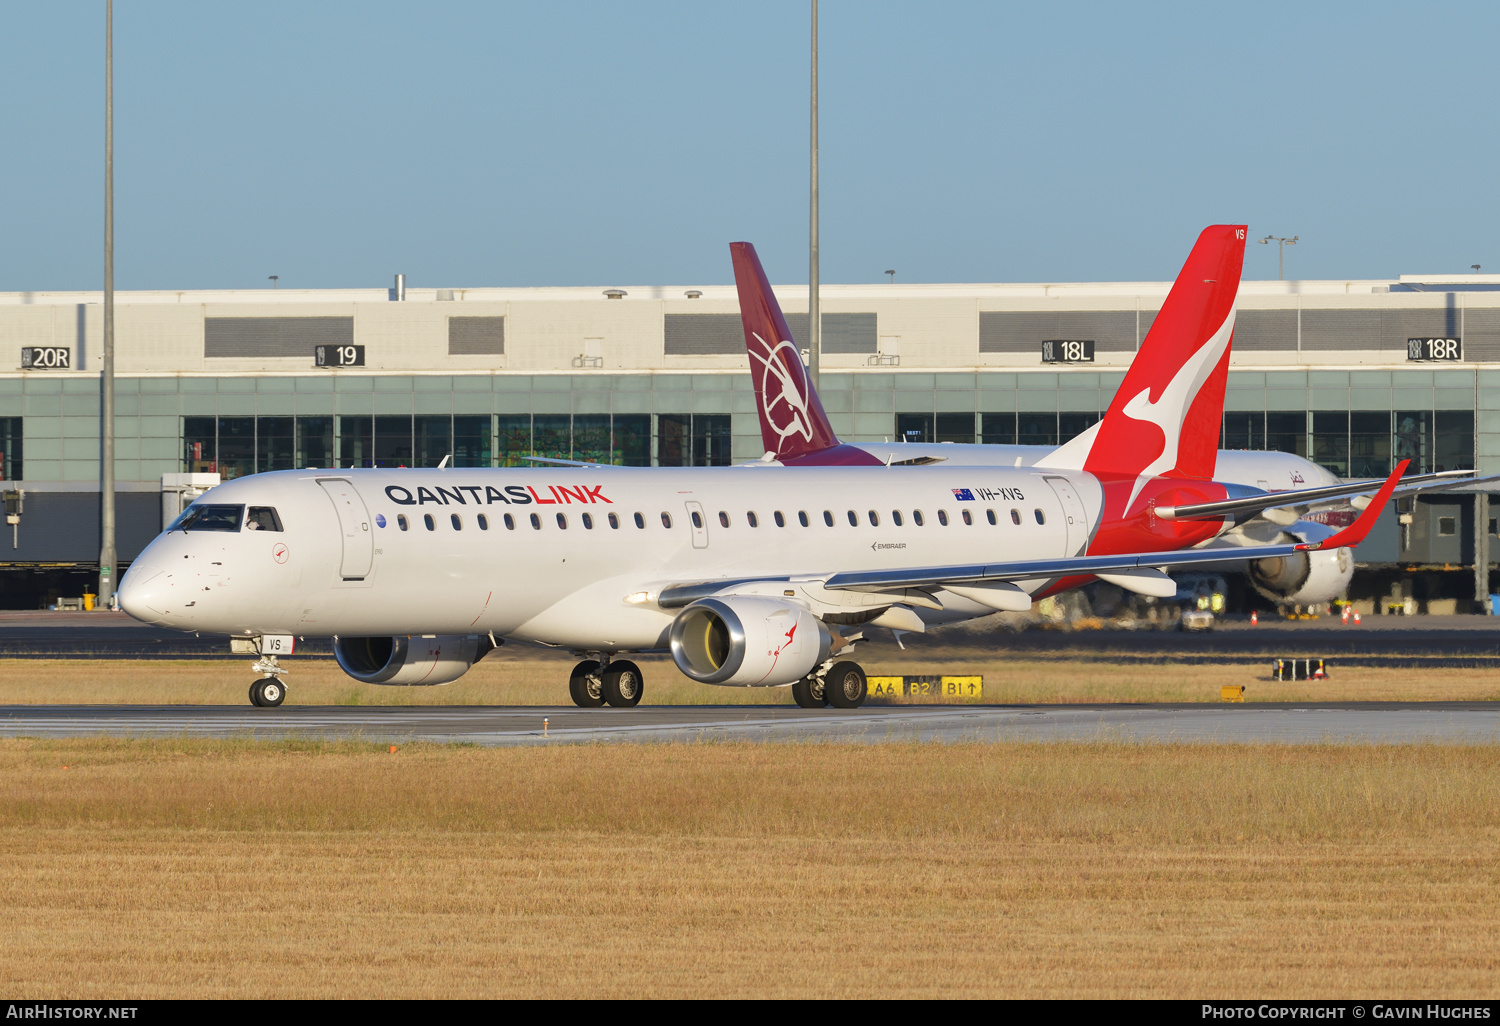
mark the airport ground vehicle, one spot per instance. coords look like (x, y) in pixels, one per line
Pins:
(756, 575)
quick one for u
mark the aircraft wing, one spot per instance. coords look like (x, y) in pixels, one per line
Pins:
(1277, 500)
(1072, 566)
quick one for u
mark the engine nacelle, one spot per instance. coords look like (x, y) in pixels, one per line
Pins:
(1304, 578)
(747, 641)
(410, 660)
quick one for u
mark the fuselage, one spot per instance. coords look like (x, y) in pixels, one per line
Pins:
(576, 557)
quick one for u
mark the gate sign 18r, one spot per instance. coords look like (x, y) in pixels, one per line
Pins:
(1434, 349)
(1064, 350)
(46, 357)
(339, 356)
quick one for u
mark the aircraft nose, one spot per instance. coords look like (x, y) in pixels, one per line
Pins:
(137, 595)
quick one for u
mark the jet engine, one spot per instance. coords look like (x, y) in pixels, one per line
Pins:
(747, 641)
(410, 660)
(1304, 578)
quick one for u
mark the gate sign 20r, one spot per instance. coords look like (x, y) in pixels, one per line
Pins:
(1434, 349)
(339, 356)
(1063, 350)
(46, 357)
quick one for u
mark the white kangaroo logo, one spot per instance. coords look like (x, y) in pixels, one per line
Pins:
(787, 390)
(1169, 411)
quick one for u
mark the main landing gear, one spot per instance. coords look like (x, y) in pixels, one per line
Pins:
(841, 685)
(270, 690)
(617, 682)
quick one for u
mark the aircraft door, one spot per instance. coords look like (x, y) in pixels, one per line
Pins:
(354, 528)
(1073, 514)
(698, 521)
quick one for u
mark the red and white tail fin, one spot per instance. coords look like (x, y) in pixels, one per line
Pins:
(1166, 417)
(792, 421)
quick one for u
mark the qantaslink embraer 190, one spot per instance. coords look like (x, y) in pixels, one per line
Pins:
(751, 576)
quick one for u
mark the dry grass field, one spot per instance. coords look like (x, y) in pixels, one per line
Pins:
(506, 679)
(236, 869)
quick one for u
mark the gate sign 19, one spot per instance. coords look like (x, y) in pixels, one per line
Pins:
(49, 357)
(1434, 349)
(339, 356)
(1063, 350)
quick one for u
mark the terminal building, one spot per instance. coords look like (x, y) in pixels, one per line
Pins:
(1354, 375)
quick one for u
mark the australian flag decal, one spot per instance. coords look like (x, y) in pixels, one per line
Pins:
(963, 495)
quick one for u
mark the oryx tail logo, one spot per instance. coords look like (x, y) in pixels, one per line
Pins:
(783, 389)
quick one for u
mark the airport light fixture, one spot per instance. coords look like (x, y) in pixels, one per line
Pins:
(273, 279)
(1476, 268)
(107, 372)
(1281, 245)
(893, 276)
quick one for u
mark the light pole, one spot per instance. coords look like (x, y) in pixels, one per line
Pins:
(893, 276)
(1476, 268)
(814, 321)
(1281, 245)
(107, 375)
(272, 279)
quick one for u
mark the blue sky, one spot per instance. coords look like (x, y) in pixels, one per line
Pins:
(578, 143)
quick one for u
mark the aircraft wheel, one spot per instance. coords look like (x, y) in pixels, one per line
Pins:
(809, 693)
(585, 686)
(844, 686)
(268, 692)
(623, 684)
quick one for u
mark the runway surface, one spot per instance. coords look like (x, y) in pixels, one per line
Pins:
(1415, 642)
(1305, 723)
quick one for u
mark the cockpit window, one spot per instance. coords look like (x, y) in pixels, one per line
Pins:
(210, 518)
(262, 518)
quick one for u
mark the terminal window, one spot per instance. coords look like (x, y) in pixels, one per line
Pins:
(10, 448)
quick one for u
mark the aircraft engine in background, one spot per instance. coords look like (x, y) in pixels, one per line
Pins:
(1305, 578)
(410, 660)
(748, 641)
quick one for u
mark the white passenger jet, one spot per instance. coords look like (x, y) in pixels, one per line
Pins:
(750, 576)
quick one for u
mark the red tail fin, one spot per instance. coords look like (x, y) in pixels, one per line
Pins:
(1166, 417)
(792, 421)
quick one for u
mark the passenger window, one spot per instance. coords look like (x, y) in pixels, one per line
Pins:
(536, 522)
(427, 520)
(1041, 517)
(458, 525)
(588, 522)
(874, 519)
(991, 515)
(562, 521)
(916, 517)
(666, 520)
(853, 519)
(896, 517)
(697, 520)
(968, 519)
(640, 521)
(828, 518)
(723, 519)
(510, 522)
(614, 522)
(802, 517)
(780, 520)
(1015, 517)
(943, 517)
(751, 519)
(262, 518)
(401, 521)
(484, 522)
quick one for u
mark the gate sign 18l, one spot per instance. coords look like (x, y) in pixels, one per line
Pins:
(1434, 349)
(1063, 350)
(339, 356)
(48, 357)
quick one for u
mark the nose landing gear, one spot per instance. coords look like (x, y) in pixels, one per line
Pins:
(270, 690)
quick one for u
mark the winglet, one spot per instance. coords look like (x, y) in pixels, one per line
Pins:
(1355, 532)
